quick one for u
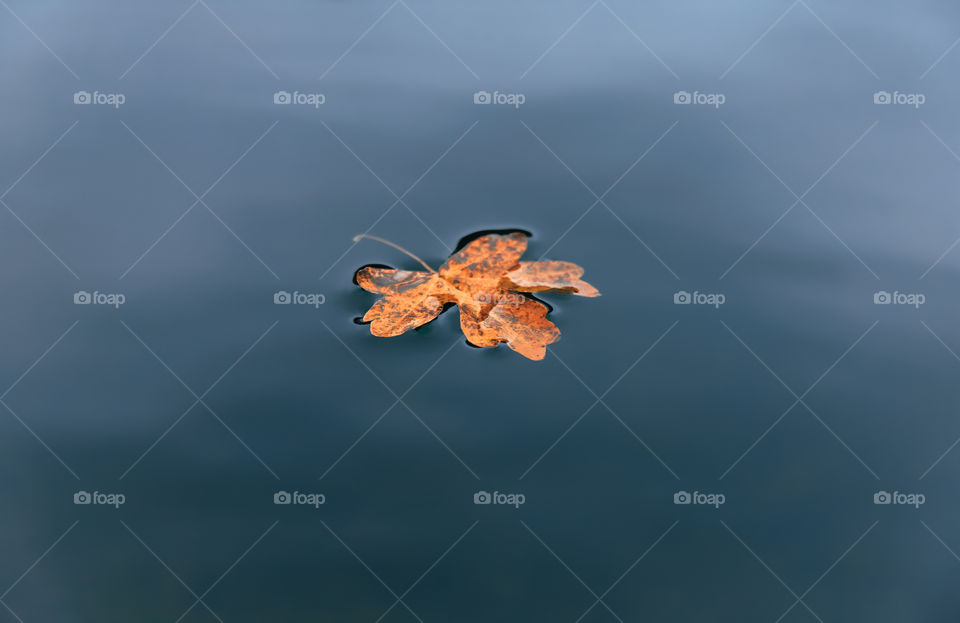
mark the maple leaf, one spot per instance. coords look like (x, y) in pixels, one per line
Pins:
(486, 281)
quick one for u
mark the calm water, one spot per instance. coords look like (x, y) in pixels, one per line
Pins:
(198, 398)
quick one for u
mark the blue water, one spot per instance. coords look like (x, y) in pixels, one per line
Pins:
(198, 399)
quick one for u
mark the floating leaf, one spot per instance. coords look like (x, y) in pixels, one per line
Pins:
(487, 281)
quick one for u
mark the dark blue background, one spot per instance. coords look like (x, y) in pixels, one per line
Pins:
(312, 406)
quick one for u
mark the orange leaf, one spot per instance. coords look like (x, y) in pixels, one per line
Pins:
(548, 275)
(485, 280)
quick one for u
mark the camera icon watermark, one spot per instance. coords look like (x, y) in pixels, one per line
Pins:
(715, 299)
(515, 500)
(684, 98)
(282, 297)
(715, 500)
(115, 500)
(297, 498)
(915, 500)
(285, 98)
(82, 297)
(915, 299)
(509, 99)
(86, 98)
(884, 98)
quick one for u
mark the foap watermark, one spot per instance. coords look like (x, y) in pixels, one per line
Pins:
(509, 99)
(683, 297)
(283, 297)
(298, 498)
(700, 99)
(284, 98)
(502, 298)
(82, 297)
(507, 499)
(715, 500)
(86, 98)
(882, 297)
(99, 498)
(915, 500)
(897, 98)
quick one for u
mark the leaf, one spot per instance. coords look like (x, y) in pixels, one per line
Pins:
(548, 275)
(488, 282)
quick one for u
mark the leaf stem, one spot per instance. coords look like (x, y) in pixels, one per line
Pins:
(395, 246)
